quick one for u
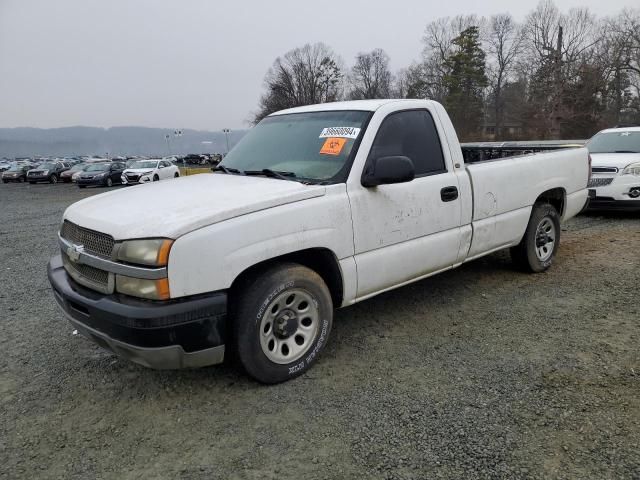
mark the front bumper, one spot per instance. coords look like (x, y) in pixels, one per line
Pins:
(181, 333)
(7, 178)
(130, 181)
(609, 203)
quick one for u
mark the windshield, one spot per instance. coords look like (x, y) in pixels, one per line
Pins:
(144, 164)
(77, 167)
(314, 145)
(612, 142)
(97, 167)
(47, 166)
(16, 167)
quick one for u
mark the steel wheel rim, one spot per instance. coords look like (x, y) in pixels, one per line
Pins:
(545, 239)
(300, 315)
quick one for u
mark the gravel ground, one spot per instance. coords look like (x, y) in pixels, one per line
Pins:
(482, 372)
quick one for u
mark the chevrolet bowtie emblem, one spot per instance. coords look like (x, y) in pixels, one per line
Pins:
(74, 251)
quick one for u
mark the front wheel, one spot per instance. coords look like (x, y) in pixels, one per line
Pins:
(156, 178)
(176, 175)
(109, 182)
(536, 251)
(53, 178)
(282, 322)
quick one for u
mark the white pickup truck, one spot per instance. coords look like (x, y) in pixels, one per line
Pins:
(318, 207)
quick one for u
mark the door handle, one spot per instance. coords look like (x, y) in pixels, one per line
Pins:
(448, 194)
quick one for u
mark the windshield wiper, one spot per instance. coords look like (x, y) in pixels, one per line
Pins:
(624, 151)
(272, 173)
(227, 170)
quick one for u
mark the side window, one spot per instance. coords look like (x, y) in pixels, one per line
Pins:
(411, 134)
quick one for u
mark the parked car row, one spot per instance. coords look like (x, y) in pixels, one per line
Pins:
(93, 172)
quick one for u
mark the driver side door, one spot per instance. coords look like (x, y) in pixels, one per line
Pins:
(409, 230)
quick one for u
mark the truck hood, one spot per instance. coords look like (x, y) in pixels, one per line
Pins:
(172, 208)
(619, 160)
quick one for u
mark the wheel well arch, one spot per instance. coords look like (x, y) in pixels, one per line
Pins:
(321, 260)
(555, 197)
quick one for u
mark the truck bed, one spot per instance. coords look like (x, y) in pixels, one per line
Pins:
(483, 151)
(502, 198)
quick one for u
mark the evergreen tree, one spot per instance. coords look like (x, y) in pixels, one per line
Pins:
(465, 82)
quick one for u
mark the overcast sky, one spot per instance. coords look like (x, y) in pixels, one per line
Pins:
(192, 63)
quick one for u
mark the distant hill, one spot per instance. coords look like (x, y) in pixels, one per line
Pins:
(69, 141)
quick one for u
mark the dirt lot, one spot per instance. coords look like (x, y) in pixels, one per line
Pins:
(482, 372)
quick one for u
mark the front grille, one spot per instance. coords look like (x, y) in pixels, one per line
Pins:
(88, 276)
(599, 182)
(132, 177)
(604, 169)
(95, 243)
(35, 173)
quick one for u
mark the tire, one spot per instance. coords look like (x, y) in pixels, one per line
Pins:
(270, 354)
(536, 251)
(156, 178)
(20, 179)
(176, 175)
(53, 179)
(108, 183)
(82, 186)
(5, 181)
(32, 183)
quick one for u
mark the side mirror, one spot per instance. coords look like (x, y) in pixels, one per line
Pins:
(386, 170)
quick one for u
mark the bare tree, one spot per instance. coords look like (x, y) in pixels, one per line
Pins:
(504, 39)
(303, 76)
(370, 76)
(557, 45)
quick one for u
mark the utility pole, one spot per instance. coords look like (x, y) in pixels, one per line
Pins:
(556, 101)
(226, 137)
(167, 137)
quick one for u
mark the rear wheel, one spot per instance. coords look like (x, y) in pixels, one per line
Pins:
(536, 251)
(282, 322)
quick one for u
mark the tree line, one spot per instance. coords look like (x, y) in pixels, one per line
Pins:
(554, 75)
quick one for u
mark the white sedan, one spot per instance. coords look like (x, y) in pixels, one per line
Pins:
(153, 170)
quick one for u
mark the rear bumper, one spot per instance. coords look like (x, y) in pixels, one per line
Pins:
(89, 182)
(182, 333)
(38, 178)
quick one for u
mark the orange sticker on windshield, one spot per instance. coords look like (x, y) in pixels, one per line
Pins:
(333, 146)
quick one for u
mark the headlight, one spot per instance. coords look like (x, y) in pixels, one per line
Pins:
(632, 169)
(45, 172)
(147, 173)
(154, 252)
(138, 287)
